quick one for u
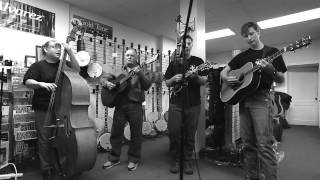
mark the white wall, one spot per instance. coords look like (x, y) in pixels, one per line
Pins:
(16, 44)
(168, 44)
(220, 58)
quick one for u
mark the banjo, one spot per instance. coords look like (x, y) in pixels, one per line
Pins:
(104, 138)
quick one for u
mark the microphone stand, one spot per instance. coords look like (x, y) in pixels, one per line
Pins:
(1, 95)
(185, 94)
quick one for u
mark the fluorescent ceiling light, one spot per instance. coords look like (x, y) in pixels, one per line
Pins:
(290, 19)
(219, 33)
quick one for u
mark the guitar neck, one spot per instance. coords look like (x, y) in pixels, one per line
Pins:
(269, 59)
(152, 99)
(95, 47)
(275, 55)
(114, 51)
(123, 51)
(104, 51)
(97, 101)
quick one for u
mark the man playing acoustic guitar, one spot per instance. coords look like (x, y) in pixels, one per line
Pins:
(128, 108)
(256, 108)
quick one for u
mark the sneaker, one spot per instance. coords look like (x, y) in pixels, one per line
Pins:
(188, 168)
(110, 164)
(132, 166)
(280, 156)
(175, 167)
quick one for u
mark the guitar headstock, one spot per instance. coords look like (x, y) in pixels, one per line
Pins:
(304, 42)
(152, 59)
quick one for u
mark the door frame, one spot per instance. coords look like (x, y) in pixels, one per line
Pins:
(302, 66)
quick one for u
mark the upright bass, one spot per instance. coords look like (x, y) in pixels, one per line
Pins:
(74, 138)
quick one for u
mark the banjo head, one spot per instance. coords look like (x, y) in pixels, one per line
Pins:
(161, 125)
(104, 141)
(152, 117)
(146, 128)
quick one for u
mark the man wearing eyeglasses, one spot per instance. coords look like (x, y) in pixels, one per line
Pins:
(41, 77)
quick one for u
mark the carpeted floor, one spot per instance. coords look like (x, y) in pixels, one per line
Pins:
(300, 143)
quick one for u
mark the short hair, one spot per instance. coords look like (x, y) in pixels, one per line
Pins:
(187, 37)
(247, 25)
(132, 49)
(46, 45)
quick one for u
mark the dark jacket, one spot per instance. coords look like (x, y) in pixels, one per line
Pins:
(137, 85)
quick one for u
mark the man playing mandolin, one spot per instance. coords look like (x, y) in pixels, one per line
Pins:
(128, 108)
(189, 96)
(41, 77)
(256, 108)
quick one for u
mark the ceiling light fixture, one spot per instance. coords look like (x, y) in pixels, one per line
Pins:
(219, 34)
(290, 19)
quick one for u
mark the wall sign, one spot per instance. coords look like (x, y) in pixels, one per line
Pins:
(92, 26)
(23, 17)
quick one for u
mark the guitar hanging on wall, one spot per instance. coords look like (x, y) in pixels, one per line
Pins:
(123, 50)
(98, 122)
(82, 55)
(249, 76)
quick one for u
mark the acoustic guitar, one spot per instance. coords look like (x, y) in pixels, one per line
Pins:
(249, 77)
(108, 96)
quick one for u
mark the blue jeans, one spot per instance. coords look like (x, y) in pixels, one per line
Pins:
(132, 113)
(190, 124)
(257, 134)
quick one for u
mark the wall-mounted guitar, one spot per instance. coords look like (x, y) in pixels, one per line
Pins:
(202, 67)
(114, 54)
(108, 96)
(82, 55)
(249, 75)
(166, 93)
(94, 68)
(139, 53)
(123, 50)
(98, 122)
(104, 49)
(146, 126)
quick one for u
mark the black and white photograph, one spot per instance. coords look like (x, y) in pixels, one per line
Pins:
(160, 89)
